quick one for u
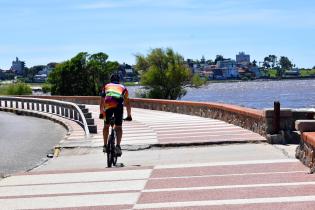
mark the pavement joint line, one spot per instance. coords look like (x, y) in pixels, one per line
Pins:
(124, 147)
(226, 202)
(70, 194)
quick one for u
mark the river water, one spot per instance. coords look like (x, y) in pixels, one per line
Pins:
(254, 94)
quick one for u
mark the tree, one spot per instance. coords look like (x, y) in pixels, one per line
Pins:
(285, 63)
(254, 63)
(218, 58)
(83, 74)
(164, 73)
(29, 73)
(266, 63)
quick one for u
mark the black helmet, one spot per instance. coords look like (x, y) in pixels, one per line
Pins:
(114, 78)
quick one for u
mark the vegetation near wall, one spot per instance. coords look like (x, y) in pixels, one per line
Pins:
(15, 89)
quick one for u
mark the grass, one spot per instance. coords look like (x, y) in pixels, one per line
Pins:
(307, 72)
(15, 89)
(131, 83)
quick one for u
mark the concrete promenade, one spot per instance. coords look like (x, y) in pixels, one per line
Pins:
(210, 165)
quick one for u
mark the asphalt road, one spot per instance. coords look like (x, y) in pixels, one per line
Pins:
(26, 141)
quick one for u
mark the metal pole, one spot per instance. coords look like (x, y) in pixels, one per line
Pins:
(276, 117)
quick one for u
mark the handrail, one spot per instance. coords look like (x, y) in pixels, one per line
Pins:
(64, 109)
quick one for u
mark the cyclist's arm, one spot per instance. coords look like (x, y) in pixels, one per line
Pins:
(127, 103)
(102, 102)
(128, 107)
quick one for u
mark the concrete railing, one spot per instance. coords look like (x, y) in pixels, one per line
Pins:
(64, 109)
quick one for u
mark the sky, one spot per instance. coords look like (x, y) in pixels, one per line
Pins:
(39, 32)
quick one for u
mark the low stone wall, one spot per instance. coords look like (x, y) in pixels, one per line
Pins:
(251, 119)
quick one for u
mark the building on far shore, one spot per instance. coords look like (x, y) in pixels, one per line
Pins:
(18, 66)
(242, 59)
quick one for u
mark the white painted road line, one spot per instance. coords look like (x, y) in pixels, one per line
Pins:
(72, 188)
(226, 163)
(226, 175)
(230, 187)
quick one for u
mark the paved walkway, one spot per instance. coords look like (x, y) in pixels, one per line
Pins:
(151, 127)
(273, 181)
(272, 184)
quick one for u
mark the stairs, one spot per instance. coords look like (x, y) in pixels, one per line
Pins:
(88, 118)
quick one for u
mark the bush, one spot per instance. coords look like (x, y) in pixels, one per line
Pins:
(16, 89)
(46, 88)
(197, 81)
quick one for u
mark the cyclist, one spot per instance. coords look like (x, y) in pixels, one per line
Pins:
(113, 98)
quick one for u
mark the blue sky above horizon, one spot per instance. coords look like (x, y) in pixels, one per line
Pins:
(39, 32)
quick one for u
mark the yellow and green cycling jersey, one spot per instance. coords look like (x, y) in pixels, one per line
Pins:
(114, 95)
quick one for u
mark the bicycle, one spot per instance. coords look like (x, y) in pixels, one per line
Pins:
(111, 144)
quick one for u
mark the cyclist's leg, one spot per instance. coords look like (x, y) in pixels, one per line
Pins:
(109, 113)
(118, 124)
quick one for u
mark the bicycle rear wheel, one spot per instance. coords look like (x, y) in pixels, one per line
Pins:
(111, 152)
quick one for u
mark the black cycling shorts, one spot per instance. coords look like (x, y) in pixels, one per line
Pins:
(118, 114)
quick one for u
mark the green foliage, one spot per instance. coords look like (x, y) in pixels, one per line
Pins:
(270, 61)
(6, 75)
(197, 81)
(83, 74)
(46, 87)
(131, 83)
(15, 89)
(272, 73)
(285, 63)
(218, 58)
(307, 72)
(164, 73)
(29, 73)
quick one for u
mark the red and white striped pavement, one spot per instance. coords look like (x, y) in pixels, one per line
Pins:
(260, 184)
(150, 127)
(255, 184)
